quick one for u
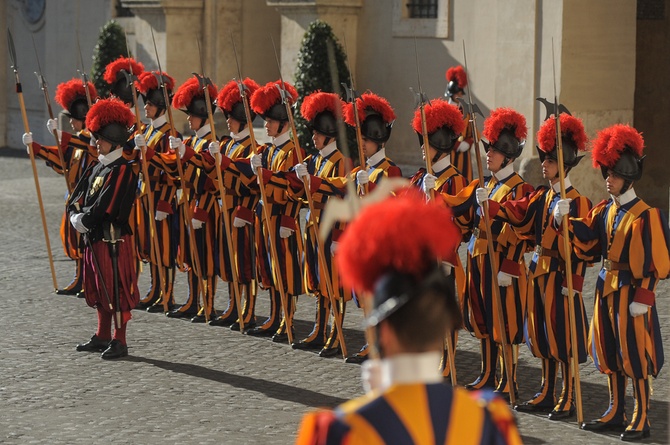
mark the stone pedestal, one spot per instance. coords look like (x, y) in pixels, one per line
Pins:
(341, 15)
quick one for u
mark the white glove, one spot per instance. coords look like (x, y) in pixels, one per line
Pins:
(448, 268)
(75, 220)
(52, 125)
(564, 291)
(285, 232)
(214, 148)
(333, 248)
(429, 182)
(239, 222)
(301, 171)
(636, 309)
(160, 215)
(197, 224)
(371, 375)
(177, 145)
(504, 279)
(256, 162)
(561, 209)
(140, 141)
(363, 177)
(463, 146)
(482, 196)
(27, 139)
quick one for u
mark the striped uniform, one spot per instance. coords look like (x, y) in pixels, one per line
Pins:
(239, 202)
(320, 167)
(463, 160)
(202, 268)
(633, 239)
(479, 308)
(547, 325)
(78, 155)
(415, 413)
(163, 189)
(450, 181)
(379, 167)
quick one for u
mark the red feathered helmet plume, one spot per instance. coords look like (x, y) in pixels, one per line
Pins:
(147, 85)
(619, 148)
(114, 76)
(320, 110)
(268, 103)
(190, 98)
(110, 119)
(375, 114)
(444, 123)
(457, 79)
(71, 95)
(422, 233)
(230, 100)
(573, 140)
(506, 132)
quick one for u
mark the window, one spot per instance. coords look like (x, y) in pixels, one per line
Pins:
(422, 9)
(421, 18)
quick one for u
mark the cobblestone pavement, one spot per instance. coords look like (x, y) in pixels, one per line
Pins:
(187, 383)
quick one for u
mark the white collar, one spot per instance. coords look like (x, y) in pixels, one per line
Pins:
(281, 139)
(557, 185)
(241, 135)
(110, 157)
(624, 198)
(328, 149)
(377, 157)
(504, 172)
(203, 131)
(423, 367)
(442, 164)
(159, 121)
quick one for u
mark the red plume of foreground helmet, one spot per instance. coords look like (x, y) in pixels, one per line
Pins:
(612, 141)
(502, 118)
(365, 103)
(457, 74)
(108, 111)
(439, 113)
(268, 95)
(229, 95)
(148, 81)
(570, 125)
(421, 232)
(319, 102)
(122, 63)
(190, 98)
(68, 92)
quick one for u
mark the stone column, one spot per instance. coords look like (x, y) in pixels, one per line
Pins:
(341, 15)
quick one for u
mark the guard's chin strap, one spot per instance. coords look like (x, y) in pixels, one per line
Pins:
(281, 126)
(327, 141)
(436, 157)
(505, 162)
(626, 186)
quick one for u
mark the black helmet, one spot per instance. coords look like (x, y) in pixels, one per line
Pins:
(325, 123)
(375, 129)
(78, 109)
(114, 133)
(628, 166)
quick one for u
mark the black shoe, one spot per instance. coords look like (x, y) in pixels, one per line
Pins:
(479, 383)
(546, 406)
(560, 415)
(66, 291)
(200, 318)
(143, 306)
(236, 326)
(95, 344)
(280, 337)
(303, 345)
(356, 359)
(158, 308)
(597, 425)
(632, 435)
(80, 294)
(330, 352)
(115, 350)
(225, 322)
(180, 314)
(260, 332)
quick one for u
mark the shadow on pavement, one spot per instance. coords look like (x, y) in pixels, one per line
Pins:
(271, 389)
